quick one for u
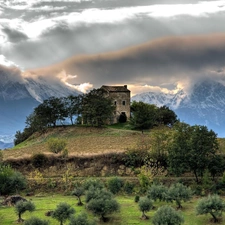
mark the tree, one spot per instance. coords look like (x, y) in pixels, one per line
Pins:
(23, 206)
(167, 215)
(143, 115)
(10, 181)
(157, 192)
(63, 212)
(72, 106)
(78, 192)
(97, 108)
(191, 149)
(213, 205)
(145, 205)
(178, 193)
(102, 204)
(166, 116)
(56, 145)
(36, 221)
(81, 219)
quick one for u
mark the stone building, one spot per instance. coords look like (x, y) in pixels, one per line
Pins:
(121, 99)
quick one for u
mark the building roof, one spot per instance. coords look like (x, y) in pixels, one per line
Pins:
(115, 88)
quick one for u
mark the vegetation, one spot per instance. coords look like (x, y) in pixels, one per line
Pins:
(78, 192)
(36, 221)
(145, 205)
(56, 145)
(167, 215)
(213, 204)
(21, 207)
(115, 184)
(63, 212)
(157, 192)
(81, 219)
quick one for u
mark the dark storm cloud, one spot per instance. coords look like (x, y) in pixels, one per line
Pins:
(13, 35)
(164, 60)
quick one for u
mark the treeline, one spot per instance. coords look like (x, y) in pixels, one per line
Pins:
(94, 109)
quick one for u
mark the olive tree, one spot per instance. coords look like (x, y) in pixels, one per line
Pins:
(36, 221)
(157, 192)
(213, 204)
(145, 205)
(81, 219)
(63, 212)
(23, 206)
(78, 192)
(167, 215)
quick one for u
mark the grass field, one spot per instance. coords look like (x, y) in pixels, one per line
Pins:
(129, 213)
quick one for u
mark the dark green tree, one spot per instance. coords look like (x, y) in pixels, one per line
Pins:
(21, 207)
(213, 204)
(97, 108)
(191, 149)
(167, 215)
(166, 116)
(78, 192)
(63, 212)
(145, 205)
(157, 192)
(115, 184)
(143, 115)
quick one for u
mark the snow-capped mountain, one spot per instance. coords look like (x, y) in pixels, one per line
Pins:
(18, 97)
(205, 105)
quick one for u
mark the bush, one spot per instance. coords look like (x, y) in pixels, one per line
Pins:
(157, 192)
(97, 184)
(39, 160)
(81, 219)
(10, 181)
(115, 184)
(167, 215)
(35, 221)
(128, 187)
(137, 198)
(78, 192)
(56, 145)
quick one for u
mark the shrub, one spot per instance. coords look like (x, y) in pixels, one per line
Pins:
(157, 192)
(21, 207)
(137, 198)
(81, 219)
(115, 184)
(56, 145)
(62, 212)
(10, 181)
(35, 221)
(167, 215)
(39, 160)
(128, 187)
(213, 205)
(78, 192)
(97, 184)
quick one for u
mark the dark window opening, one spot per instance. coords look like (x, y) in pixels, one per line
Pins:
(114, 102)
(124, 102)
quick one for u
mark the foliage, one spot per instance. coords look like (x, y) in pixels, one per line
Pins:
(38, 160)
(143, 115)
(63, 212)
(145, 205)
(145, 178)
(213, 204)
(128, 187)
(191, 149)
(56, 145)
(179, 192)
(166, 116)
(97, 109)
(1, 156)
(157, 192)
(81, 219)
(36, 221)
(10, 181)
(167, 215)
(136, 198)
(102, 204)
(23, 206)
(78, 192)
(91, 182)
(115, 184)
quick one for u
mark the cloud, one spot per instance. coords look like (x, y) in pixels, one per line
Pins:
(167, 62)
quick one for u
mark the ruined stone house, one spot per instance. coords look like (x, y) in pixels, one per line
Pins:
(121, 99)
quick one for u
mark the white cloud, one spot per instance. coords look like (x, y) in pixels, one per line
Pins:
(7, 63)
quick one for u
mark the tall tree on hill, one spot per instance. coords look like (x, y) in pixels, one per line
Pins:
(143, 115)
(166, 116)
(97, 108)
(192, 149)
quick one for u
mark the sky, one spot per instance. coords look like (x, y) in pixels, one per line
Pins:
(150, 45)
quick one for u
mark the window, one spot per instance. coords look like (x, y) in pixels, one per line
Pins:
(124, 102)
(114, 102)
